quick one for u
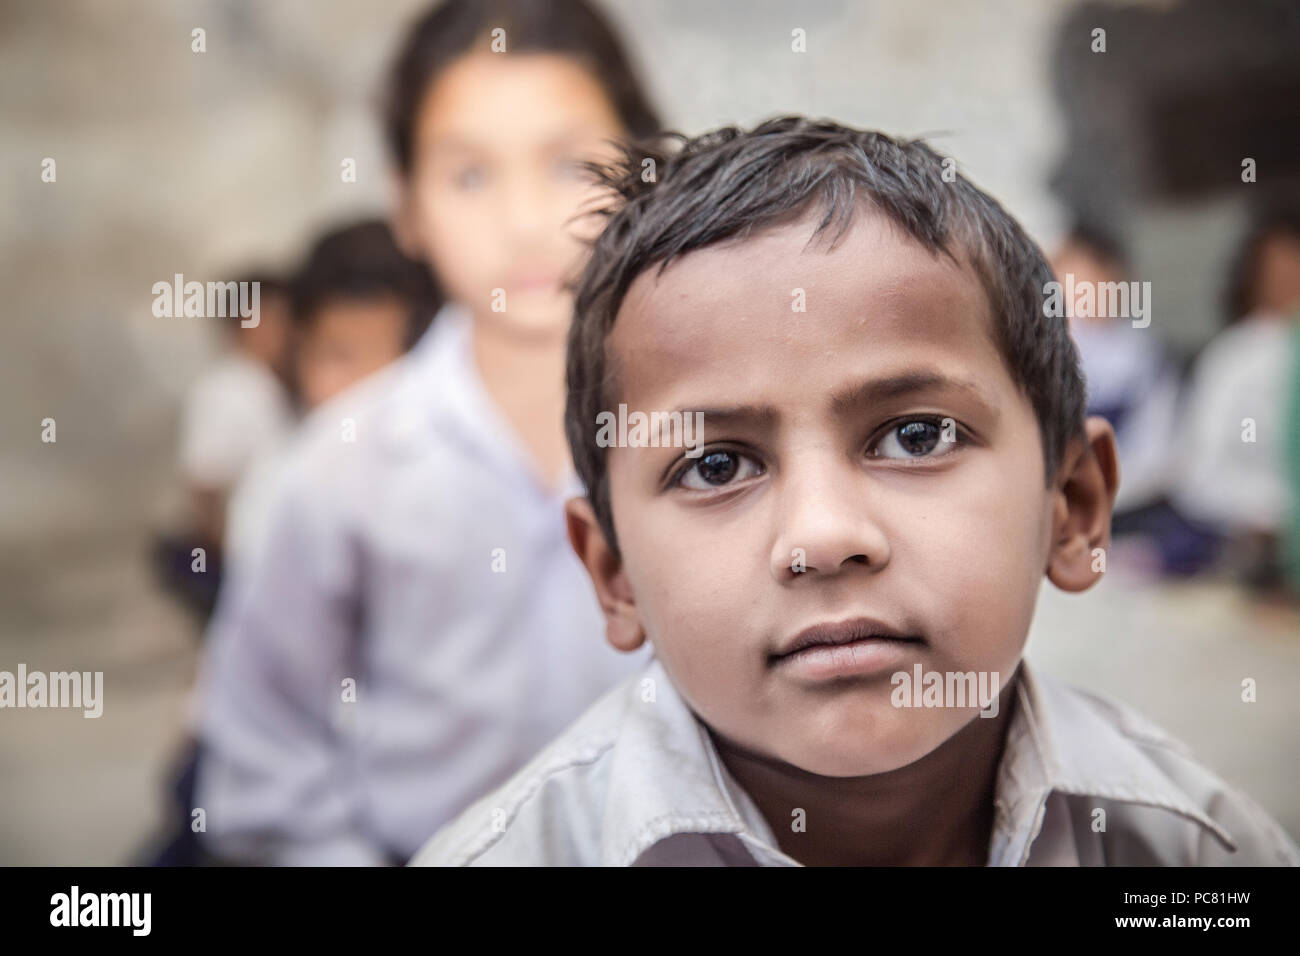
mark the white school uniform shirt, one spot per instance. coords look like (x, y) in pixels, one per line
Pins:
(413, 551)
(251, 507)
(1242, 375)
(637, 781)
(236, 412)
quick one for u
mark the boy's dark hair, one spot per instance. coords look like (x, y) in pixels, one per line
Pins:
(728, 182)
(362, 261)
(453, 28)
(1278, 216)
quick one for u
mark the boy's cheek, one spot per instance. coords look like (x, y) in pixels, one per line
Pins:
(973, 585)
(697, 605)
(988, 607)
(992, 530)
(699, 622)
(682, 564)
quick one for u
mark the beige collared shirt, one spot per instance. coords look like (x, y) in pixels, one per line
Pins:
(637, 781)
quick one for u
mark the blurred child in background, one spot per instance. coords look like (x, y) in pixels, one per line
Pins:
(1241, 442)
(357, 304)
(236, 412)
(1130, 381)
(237, 409)
(1132, 384)
(416, 626)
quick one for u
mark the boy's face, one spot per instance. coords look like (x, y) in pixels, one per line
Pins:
(809, 459)
(347, 340)
(492, 198)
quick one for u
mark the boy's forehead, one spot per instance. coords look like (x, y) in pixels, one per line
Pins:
(775, 303)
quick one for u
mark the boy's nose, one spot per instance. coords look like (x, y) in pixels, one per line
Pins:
(828, 524)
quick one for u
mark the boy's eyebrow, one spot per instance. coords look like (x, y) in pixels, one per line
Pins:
(849, 399)
(733, 416)
(905, 383)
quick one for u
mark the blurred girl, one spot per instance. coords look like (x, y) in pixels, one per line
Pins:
(416, 625)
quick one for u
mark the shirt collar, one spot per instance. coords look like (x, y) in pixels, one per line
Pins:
(441, 394)
(1066, 741)
(667, 777)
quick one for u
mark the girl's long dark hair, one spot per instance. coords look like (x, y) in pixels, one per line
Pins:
(453, 28)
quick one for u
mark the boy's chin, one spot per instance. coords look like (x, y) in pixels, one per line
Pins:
(897, 744)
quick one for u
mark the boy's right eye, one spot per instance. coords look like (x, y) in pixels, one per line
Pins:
(717, 468)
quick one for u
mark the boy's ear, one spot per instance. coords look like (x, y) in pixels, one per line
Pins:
(1081, 509)
(622, 625)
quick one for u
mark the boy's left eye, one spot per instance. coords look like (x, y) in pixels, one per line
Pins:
(716, 469)
(917, 438)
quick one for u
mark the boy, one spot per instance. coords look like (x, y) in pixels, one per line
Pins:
(894, 454)
(358, 303)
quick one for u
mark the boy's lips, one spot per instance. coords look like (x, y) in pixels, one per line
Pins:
(845, 648)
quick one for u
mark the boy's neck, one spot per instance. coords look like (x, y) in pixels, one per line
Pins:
(937, 811)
